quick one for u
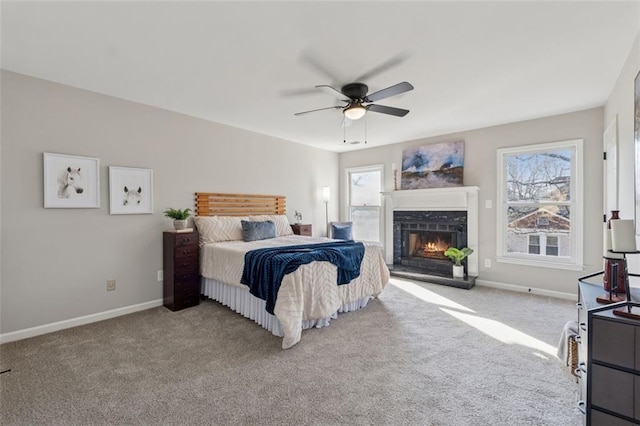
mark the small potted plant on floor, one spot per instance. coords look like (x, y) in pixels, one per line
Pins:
(179, 217)
(457, 256)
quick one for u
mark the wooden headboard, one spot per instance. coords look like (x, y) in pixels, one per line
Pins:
(214, 204)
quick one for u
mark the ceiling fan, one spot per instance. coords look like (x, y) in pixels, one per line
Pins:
(355, 96)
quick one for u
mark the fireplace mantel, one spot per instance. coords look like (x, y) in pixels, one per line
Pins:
(462, 198)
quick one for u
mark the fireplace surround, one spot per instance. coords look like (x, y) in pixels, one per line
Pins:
(419, 223)
(420, 239)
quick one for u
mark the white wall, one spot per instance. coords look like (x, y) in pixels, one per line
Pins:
(621, 104)
(480, 170)
(56, 261)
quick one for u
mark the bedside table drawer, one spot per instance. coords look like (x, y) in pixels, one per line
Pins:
(186, 302)
(186, 239)
(187, 287)
(186, 251)
(185, 265)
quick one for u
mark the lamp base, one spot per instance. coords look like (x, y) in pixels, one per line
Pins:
(610, 298)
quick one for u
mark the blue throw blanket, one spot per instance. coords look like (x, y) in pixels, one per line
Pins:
(265, 268)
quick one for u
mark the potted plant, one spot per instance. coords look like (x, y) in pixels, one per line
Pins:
(457, 256)
(179, 217)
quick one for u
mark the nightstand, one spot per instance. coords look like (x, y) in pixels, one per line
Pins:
(181, 254)
(301, 229)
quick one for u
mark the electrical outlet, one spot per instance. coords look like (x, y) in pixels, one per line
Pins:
(111, 285)
(487, 263)
(160, 275)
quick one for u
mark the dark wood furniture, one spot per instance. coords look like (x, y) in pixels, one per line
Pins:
(181, 255)
(609, 359)
(301, 229)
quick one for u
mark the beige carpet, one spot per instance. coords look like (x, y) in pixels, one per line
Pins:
(421, 354)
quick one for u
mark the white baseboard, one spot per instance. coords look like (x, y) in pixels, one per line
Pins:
(531, 290)
(74, 322)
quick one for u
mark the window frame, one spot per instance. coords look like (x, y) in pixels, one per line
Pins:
(576, 206)
(347, 210)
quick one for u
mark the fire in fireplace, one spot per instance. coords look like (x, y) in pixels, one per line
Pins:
(429, 244)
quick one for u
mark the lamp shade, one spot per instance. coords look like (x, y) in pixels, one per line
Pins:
(326, 194)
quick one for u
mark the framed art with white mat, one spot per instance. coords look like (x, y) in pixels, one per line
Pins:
(130, 190)
(71, 181)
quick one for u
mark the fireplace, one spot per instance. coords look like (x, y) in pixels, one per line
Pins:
(420, 223)
(422, 237)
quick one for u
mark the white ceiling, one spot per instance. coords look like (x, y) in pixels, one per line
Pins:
(254, 64)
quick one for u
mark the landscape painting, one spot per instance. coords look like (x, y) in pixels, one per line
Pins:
(433, 166)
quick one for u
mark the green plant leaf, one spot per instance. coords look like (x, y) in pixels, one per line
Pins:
(177, 214)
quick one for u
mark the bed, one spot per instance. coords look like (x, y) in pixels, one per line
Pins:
(308, 297)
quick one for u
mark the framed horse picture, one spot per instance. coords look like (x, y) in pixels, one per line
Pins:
(130, 190)
(71, 181)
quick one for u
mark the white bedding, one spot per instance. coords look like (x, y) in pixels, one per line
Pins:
(310, 294)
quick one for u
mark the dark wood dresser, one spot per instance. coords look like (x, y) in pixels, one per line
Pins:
(181, 255)
(609, 359)
(301, 229)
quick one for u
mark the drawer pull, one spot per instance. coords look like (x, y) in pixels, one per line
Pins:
(582, 407)
(579, 305)
(583, 326)
(581, 368)
(186, 251)
(186, 239)
(578, 339)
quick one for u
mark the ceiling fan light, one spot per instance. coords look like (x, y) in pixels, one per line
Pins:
(355, 112)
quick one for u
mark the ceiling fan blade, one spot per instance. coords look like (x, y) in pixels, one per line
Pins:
(389, 63)
(396, 89)
(333, 92)
(398, 112)
(320, 109)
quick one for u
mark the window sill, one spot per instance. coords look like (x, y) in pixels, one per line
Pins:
(540, 264)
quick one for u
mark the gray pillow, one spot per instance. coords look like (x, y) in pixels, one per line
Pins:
(253, 231)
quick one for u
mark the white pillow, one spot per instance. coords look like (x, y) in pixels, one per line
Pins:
(219, 228)
(283, 228)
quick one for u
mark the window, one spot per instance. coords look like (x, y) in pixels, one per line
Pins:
(543, 243)
(540, 200)
(534, 244)
(552, 246)
(364, 201)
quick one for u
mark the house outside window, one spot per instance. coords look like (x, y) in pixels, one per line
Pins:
(364, 185)
(540, 199)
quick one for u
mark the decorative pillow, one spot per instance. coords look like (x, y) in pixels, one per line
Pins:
(253, 231)
(342, 231)
(283, 228)
(218, 228)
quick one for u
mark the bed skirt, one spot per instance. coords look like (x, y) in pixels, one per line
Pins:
(241, 301)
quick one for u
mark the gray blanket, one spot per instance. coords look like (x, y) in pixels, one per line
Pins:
(570, 330)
